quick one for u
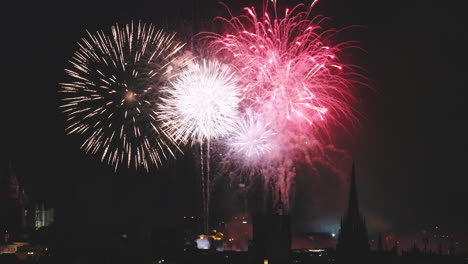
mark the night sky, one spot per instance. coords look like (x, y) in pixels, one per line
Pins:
(409, 148)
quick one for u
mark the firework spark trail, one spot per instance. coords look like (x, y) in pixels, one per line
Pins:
(115, 82)
(205, 190)
(201, 105)
(293, 78)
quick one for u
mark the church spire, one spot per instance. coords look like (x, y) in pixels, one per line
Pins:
(353, 205)
(353, 243)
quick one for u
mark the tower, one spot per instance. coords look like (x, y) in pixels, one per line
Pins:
(353, 243)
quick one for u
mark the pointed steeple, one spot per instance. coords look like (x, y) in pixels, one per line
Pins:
(353, 243)
(353, 205)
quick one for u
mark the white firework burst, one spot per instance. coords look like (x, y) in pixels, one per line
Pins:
(201, 103)
(115, 82)
(252, 137)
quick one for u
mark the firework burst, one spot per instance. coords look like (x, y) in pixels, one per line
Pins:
(289, 65)
(115, 83)
(201, 103)
(292, 78)
(252, 138)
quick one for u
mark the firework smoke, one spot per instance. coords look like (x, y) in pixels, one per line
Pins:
(115, 83)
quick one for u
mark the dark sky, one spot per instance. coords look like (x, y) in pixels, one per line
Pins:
(410, 147)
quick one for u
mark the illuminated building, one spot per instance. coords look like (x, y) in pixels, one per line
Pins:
(238, 232)
(43, 217)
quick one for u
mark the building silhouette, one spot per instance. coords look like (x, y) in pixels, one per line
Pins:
(353, 243)
(271, 238)
(13, 206)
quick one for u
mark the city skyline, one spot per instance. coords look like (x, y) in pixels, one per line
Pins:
(408, 148)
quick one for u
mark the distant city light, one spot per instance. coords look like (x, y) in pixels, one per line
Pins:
(316, 250)
(203, 243)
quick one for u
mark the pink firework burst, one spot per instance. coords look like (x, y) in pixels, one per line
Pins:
(293, 78)
(290, 65)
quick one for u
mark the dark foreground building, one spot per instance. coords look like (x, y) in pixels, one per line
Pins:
(271, 242)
